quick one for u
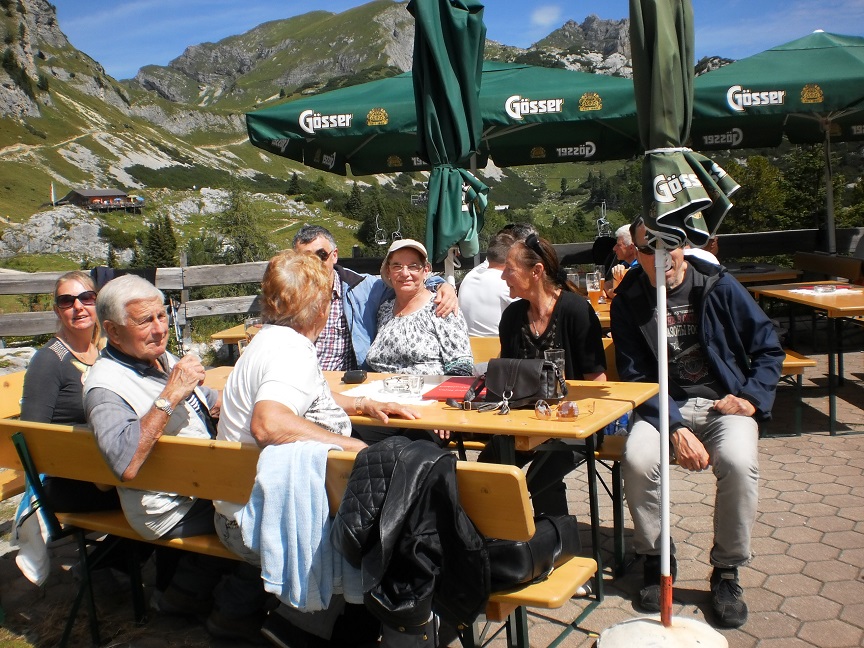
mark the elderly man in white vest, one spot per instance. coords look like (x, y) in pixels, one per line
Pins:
(134, 394)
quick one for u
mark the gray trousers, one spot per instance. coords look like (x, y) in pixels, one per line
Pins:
(731, 442)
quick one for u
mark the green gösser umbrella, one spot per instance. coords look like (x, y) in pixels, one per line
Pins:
(681, 197)
(449, 38)
(810, 89)
(530, 115)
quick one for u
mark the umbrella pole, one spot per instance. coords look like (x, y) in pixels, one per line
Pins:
(829, 193)
(661, 258)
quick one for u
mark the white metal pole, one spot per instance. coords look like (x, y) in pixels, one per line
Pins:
(661, 258)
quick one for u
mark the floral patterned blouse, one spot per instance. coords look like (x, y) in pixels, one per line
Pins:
(421, 343)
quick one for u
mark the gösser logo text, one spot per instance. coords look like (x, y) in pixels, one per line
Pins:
(666, 187)
(310, 121)
(738, 98)
(517, 106)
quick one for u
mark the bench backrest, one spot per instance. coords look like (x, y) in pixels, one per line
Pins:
(11, 390)
(611, 367)
(829, 265)
(485, 348)
(495, 497)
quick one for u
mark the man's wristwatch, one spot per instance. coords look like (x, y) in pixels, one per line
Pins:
(163, 404)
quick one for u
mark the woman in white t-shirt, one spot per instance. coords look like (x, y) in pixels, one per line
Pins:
(277, 393)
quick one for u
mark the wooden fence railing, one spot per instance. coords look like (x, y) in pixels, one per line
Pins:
(732, 246)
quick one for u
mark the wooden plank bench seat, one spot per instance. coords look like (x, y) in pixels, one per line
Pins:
(495, 497)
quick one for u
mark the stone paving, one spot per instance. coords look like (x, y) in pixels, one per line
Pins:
(805, 586)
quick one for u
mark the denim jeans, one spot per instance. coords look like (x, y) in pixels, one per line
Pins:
(731, 443)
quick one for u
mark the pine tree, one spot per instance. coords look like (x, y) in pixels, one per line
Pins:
(241, 225)
(294, 185)
(354, 204)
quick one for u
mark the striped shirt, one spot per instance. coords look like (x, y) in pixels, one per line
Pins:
(334, 344)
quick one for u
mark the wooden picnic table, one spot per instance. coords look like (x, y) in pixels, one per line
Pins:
(761, 273)
(845, 301)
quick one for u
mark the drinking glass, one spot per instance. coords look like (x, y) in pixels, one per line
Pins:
(601, 270)
(556, 356)
(592, 285)
(251, 326)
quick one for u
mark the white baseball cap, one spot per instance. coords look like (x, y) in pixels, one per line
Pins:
(401, 244)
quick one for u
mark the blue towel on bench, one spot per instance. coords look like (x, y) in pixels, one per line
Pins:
(287, 522)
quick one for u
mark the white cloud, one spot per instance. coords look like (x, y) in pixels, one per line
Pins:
(546, 16)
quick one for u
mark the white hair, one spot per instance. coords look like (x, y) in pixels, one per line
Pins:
(116, 295)
(623, 232)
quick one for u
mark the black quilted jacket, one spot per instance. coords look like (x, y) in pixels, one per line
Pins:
(401, 523)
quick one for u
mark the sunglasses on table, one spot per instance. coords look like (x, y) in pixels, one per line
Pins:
(88, 298)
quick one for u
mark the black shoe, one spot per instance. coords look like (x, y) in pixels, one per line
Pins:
(238, 628)
(649, 595)
(727, 599)
(175, 602)
(281, 632)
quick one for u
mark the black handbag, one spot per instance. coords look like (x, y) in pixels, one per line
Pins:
(513, 563)
(521, 383)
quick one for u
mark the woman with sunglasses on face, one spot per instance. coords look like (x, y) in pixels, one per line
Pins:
(54, 379)
(549, 314)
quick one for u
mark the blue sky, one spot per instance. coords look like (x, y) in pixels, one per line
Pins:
(124, 35)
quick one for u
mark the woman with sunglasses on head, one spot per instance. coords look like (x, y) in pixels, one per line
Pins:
(549, 314)
(54, 379)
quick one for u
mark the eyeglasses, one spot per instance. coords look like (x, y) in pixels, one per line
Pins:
(87, 298)
(323, 254)
(566, 410)
(645, 249)
(412, 268)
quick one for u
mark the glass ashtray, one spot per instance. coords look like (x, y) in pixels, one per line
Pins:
(826, 288)
(404, 385)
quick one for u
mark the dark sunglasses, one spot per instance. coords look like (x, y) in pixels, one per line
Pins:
(323, 254)
(88, 298)
(645, 249)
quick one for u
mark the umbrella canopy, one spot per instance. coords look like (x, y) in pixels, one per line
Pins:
(449, 38)
(529, 115)
(681, 197)
(537, 115)
(796, 89)
(811, 90)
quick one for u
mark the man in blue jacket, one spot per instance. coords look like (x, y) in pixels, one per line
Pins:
(724, 364)
(353, 320)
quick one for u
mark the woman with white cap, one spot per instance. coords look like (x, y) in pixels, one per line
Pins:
(411, 339)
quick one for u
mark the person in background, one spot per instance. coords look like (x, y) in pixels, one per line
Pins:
(356, 299)
(133, 395)
(708, 252)
(625, 253)
(483, 294)
(53, 385)
(548, 314)
(724, 364)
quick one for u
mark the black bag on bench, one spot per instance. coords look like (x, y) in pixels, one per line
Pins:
(514, 563)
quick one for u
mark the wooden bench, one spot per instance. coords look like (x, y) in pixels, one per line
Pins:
(829, 266)
(494, 496)
(11, 389)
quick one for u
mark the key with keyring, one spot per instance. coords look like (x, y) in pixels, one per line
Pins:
(490, 407)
